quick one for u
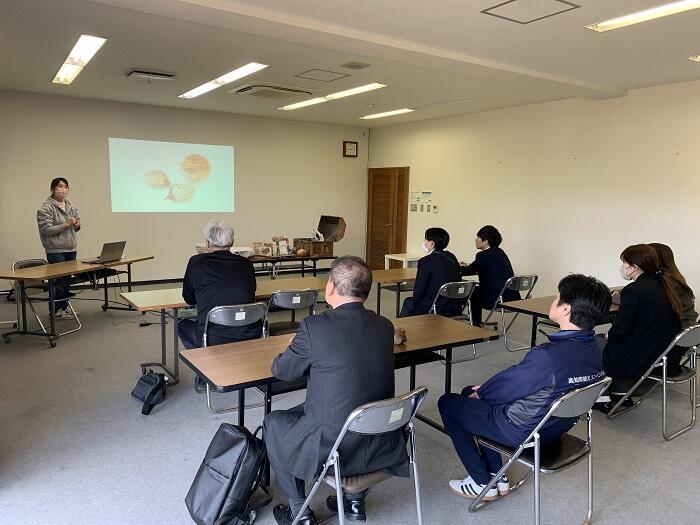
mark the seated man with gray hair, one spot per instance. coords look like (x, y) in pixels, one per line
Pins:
(217, 278)
(348, 355)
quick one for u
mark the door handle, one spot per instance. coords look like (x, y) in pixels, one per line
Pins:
(388, 225)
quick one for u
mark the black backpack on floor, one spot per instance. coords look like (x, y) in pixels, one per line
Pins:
(228, 479)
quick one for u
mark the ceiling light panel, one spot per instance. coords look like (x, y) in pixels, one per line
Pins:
(696, 58)
(227, 78)
(388, 113)
(644, 16)
(334, 96)
(82, 52)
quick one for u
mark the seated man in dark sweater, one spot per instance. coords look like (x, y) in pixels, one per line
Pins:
(434, 270)
(507, 407)
(217, 278)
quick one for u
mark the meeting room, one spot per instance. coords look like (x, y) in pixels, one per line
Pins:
(305, 262)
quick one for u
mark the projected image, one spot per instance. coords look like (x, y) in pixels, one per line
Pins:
(150, 176)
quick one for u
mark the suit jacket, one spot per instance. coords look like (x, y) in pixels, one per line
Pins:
(220, 278)
(434, 270)
(644, 326)
(494, 269)
(348, 354)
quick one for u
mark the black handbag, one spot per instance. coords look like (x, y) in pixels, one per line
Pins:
(150, 389)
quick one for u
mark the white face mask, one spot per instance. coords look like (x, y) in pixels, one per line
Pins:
(624, 274)
(425, 248)
(62, 193)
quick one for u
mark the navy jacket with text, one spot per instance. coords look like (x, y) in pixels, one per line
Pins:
(522, 394)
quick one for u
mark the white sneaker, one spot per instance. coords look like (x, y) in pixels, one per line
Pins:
(470, 489)
(63, 315)
(503, 484)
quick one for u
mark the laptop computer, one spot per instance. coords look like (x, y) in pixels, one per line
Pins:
(111, 251)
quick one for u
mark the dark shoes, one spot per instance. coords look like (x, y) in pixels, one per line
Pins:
(283, 516)
(200, 386)
(606, 407)
(354, 508)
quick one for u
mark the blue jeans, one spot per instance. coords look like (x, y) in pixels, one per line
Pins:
(465, 418)
(61, 285)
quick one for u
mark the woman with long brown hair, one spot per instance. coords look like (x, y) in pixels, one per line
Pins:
(668, 265)
(647, 320)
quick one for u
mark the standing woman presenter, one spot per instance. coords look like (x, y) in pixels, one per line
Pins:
(58, 223)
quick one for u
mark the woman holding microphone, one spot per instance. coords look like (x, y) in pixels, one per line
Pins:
(58, 223)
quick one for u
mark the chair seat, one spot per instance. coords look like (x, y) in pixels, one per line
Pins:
(412, 358)
(686, 374)
(283, 327)
(355, 484)
(558, 455)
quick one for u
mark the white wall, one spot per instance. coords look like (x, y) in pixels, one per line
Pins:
(570, 184)
(287, 174)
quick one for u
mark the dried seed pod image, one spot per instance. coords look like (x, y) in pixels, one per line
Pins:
(157, 179)
(195, 167)
(180, 192)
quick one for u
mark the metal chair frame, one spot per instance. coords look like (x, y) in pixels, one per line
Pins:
(287, 300)
(690, 337)
(519, 283)
(457, 290)
(30, 263)
(575, 403)
(375, 418)
(233, 315)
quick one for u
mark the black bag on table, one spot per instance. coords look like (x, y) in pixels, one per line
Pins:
(228, 478)
(150, 389)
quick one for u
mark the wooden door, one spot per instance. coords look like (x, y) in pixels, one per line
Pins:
(387, 213)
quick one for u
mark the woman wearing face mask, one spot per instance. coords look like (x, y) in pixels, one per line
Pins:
(493, 267)
(58, 223)
(435, 269)
(648, 318)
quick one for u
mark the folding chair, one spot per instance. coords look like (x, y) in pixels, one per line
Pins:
(460, 290)
(688, 338)
(375, 418)
(551, 457)
(518, 283)
(237, 315)
(38, 291)
(289, 300)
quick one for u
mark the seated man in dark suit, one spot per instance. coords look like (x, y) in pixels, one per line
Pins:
(348, 354)
(434, 270)
(217, 278)
(508, 407)
(493, 268)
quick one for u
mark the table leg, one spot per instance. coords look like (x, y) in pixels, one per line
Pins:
(23, 293)
(104, 285)
(268, 409)
(303, 268)
(128, 276)
(398, 299)
(379, 298)
(533, 332)
(176, 346)
(448, 370)
(315, 267)
(52, 310)
(241, 407)
(412, 377)
(163, 341)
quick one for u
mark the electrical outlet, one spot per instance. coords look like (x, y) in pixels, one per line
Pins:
(435, 208)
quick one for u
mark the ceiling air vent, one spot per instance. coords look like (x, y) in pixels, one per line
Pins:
(149, 75)
(270, 91)
(355, 65)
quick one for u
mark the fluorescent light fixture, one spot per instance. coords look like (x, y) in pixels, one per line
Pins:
(696, 58)
(334, 96)
(227, 78)
(83, 50)
(355, 91)
(388, 113)
(645, 15)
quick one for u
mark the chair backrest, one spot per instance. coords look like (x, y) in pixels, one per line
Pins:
(455, 290)
(293, 299)
(577, 402)
(521, 283)
(234, 315)
(688, 338)
(28, 263)
(32, 287)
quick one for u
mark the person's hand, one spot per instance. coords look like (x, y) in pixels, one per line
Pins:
(70, 222)
(475, 394)
(291, 339)
(399, 335)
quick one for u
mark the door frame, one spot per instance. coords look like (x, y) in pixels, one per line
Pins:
(399, 210)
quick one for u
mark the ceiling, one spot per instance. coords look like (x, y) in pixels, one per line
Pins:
(443, 58)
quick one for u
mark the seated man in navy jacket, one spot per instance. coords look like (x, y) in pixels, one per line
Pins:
(493, 268)
(434, 270)
(507, 407)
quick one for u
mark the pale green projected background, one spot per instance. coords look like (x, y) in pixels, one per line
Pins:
(150, 176)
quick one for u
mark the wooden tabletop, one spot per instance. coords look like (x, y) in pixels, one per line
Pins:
(171, 298)
(63, 269)
(248, 363)
(393, 276)
(537, 307)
